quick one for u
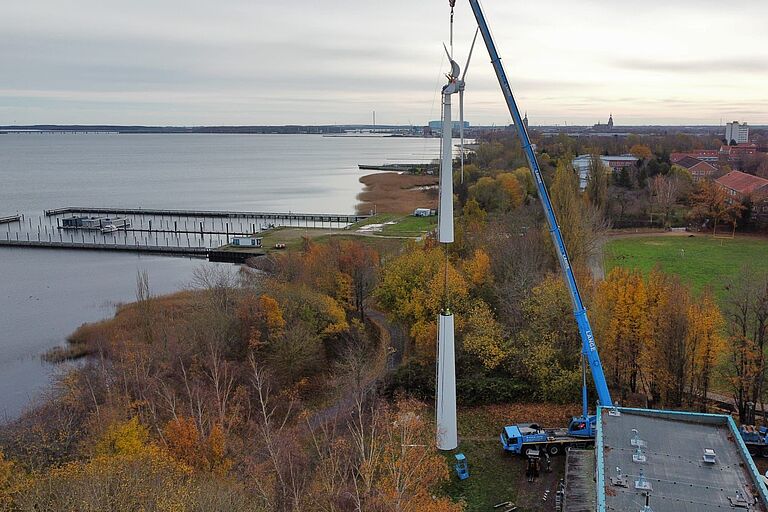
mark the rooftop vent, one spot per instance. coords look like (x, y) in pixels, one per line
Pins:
(647, 506)
(636, 441)
(614, 411)
(638, 456)
(620, 480)
(642, 483)
(739, 500)
(709, 456)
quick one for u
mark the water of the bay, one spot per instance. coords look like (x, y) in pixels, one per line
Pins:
(45, 294)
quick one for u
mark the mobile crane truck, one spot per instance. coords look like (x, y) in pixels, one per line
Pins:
(581, 430)
(756, 439)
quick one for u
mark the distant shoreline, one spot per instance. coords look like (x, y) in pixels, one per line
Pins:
(340, 129)
(256, 129)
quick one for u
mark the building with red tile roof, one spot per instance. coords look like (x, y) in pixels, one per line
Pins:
(742, 186)
(699, 169)
(732, 153)
(706, 155)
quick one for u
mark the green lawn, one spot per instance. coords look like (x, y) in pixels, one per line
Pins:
(699, 260)
(379, 218)
(490, 476)
(398, 224)
(410, 226)
(495, 475)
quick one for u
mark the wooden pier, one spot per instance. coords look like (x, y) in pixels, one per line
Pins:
(9, 219)
(299, 217)
(145, 248)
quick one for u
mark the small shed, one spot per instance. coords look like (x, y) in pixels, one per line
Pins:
(422, 212)
(246, 241)
(73, 221)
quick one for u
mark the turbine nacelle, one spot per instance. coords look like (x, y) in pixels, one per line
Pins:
(455, 84)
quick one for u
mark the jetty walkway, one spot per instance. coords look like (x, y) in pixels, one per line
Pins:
(10, 219)
(161, 249)
(290, 216)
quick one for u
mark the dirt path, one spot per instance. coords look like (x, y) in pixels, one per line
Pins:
(395, 334)
(393, 340)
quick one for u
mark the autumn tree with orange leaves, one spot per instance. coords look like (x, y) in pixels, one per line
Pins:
(656, 338)
(411, 289)
(711, 205)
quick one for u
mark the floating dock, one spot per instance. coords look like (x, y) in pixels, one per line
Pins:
(10, 219)
(200, 233)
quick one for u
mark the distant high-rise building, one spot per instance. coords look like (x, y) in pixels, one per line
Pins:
(736, 132)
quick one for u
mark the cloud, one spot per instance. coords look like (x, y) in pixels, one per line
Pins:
(748, 65)
(306, 61)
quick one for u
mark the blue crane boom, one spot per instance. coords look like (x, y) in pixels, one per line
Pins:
(589, 349)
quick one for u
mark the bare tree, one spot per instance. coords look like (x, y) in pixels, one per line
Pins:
(145, 305)
(273, 423)
(665, 190)
(219, 282)
(746, 315)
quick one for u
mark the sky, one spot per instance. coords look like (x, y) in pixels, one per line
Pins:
(257, 62)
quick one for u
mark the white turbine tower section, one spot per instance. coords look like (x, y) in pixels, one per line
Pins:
(445, 222)
(447, 430)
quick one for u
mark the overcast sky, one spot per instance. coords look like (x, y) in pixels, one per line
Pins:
(203, 62)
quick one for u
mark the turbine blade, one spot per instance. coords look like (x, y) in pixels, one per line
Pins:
(455, 71)
(469, 57)
(447, 53)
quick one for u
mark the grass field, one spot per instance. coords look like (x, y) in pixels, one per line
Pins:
(399, 225)
(497, 476)
(698, 260)
(410, 226)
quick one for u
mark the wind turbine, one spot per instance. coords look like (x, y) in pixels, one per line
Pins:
(447, 430)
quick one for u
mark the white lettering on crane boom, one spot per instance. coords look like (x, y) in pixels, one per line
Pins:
(591, 341)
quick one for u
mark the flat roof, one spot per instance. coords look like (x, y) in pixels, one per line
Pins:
(618, 158)
(673, 445)
(579, 481)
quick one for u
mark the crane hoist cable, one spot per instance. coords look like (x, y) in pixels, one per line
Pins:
(453, 4)
(445, 303)
(446, 306)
